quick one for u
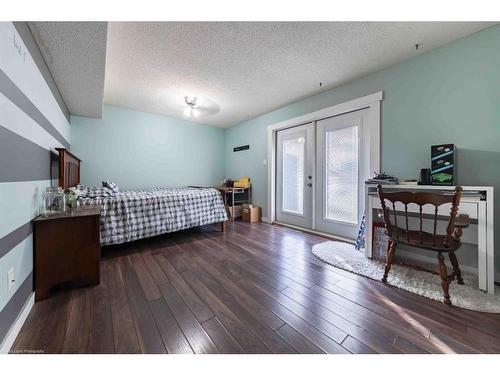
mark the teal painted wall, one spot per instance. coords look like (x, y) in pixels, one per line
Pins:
(137, 150)
(450, 94)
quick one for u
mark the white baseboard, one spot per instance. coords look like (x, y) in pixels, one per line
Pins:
(16, 327)
(318, 233)
(265, 220)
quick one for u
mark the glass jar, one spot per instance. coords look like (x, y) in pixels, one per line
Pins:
(54, 201)
(71, 199)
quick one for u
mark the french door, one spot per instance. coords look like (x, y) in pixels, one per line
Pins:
(341, 173)
(294, 178)
(321, 169)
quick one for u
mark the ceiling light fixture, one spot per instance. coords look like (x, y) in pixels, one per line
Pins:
(191, 109)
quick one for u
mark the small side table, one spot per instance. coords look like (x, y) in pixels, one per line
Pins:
(237, 196)
(67, 249)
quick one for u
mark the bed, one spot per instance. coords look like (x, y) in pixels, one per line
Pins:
(134, 214)
(131, 215)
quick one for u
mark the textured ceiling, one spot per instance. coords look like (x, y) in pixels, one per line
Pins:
(238, 70)
(242, 70)
(75, 53)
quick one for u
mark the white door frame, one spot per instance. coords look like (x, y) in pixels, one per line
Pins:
(371, 101)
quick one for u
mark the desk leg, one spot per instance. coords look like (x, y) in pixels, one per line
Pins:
(490, 248)
(482, 250)
(232, 203)
(369, 227)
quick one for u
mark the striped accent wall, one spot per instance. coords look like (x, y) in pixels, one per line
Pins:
(33, 121)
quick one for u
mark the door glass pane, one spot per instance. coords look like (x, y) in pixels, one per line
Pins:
(293, 175)
(342, 150)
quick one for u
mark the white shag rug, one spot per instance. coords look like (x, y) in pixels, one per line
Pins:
(345, 256)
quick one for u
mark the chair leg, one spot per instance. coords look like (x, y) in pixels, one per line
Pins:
(444, 279)
(456, 268)
(388, 264)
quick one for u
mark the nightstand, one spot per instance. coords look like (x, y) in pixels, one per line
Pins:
(67, 249)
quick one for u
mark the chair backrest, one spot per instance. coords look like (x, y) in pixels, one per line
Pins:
(420, 199)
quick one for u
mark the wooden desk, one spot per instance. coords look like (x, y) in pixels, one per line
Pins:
(67, 249)
(476, 201)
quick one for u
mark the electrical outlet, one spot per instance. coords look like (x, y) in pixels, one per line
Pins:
(11, 278)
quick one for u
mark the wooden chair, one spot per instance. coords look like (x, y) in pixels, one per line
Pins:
(441, 243)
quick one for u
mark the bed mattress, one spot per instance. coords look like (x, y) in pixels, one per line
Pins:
(134, 214)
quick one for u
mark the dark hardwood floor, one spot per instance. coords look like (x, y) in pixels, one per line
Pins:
(254, 289)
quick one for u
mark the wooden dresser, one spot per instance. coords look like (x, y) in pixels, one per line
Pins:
(67, 250)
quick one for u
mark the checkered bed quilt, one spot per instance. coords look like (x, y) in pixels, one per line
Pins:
(135, 214)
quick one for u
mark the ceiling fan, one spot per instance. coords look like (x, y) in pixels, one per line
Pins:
(196, 107)
(191, 109)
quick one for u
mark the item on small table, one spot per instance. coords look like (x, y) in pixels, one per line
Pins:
(227, 182)
(383, 179)
(243, 182)
(408, 182)
(443, 164)
(54, 201)
(72, 194)
(425, 177)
